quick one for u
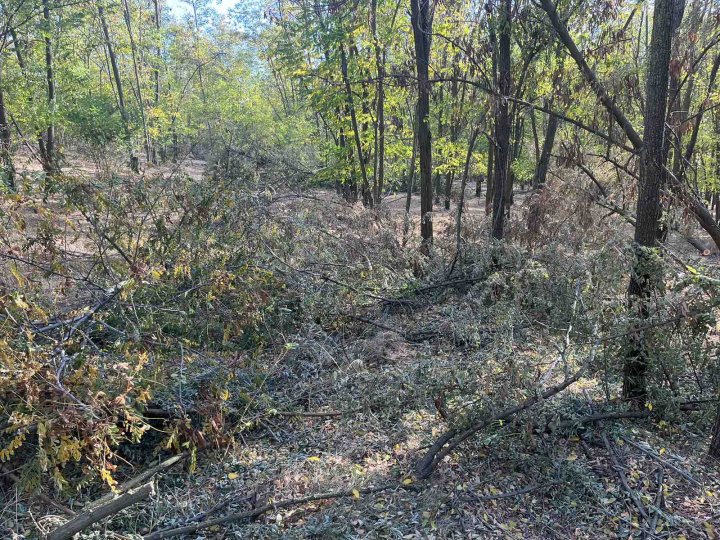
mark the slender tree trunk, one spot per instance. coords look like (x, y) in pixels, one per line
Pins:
(437, 178)
(410, 186)
(6, 161)
(353, 120)
(156, 71)
(379, 169)
(50, 164)
(463, 183)
(201, 79)
(544, 162)
(17, 45)
(715, 437)
(134, 165)
(490, 192)
(502, 122)
(138, 87)
(422, 30)
(652, 172)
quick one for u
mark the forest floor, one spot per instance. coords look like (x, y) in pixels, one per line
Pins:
(357, 396)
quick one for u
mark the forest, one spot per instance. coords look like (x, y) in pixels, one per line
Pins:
(345, 269)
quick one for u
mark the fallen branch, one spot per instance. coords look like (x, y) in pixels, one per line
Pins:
(86, 519)
(139, 479)
(509, 494)
(451, 439)
(623, 481)
(687, 476)
(255, 512)
(316, 414)
(656, 507)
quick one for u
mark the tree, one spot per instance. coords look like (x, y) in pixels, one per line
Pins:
(644, 278)
(503, 121)
(421, 20)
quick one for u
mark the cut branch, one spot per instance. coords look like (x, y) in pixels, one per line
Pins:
(255, 512)
(89, 518)
(451, 439)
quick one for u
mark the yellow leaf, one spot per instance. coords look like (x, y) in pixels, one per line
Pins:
(17, 275)
(313, 458)
(407, 481)
(233, 475)
(356, 493)
(572, 457)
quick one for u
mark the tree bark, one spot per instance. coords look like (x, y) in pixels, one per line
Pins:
(422, 29)
(6, 161)
(463, 183)
(353, 120)
(138, 88)
(113, 506)
(544, 162)
(379, 169)
(50, 162)
(502, 121)
(715, 439)
(490, 191)
(156, 71)
(652, 174)
(134, 165)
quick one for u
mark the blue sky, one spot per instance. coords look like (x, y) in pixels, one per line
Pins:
(221, 6)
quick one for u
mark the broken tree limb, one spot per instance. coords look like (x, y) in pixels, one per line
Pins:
(89, 518)
(139, 479)
(452, 438)
(255, 512)
(650, 452)
(623, 480)
(703, 216)
(602, 94)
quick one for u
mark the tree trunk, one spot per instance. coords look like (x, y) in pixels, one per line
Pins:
(410, 185)
(156, 72)
(652, 172)
(715, 438)
(463, 183)
(6, 161)
(502, 122)
(422, 29)
(138, 88)
(379, 169)
(50, 162)
(544, 162)
(134, 165)
(490, 192)
(353, 120)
